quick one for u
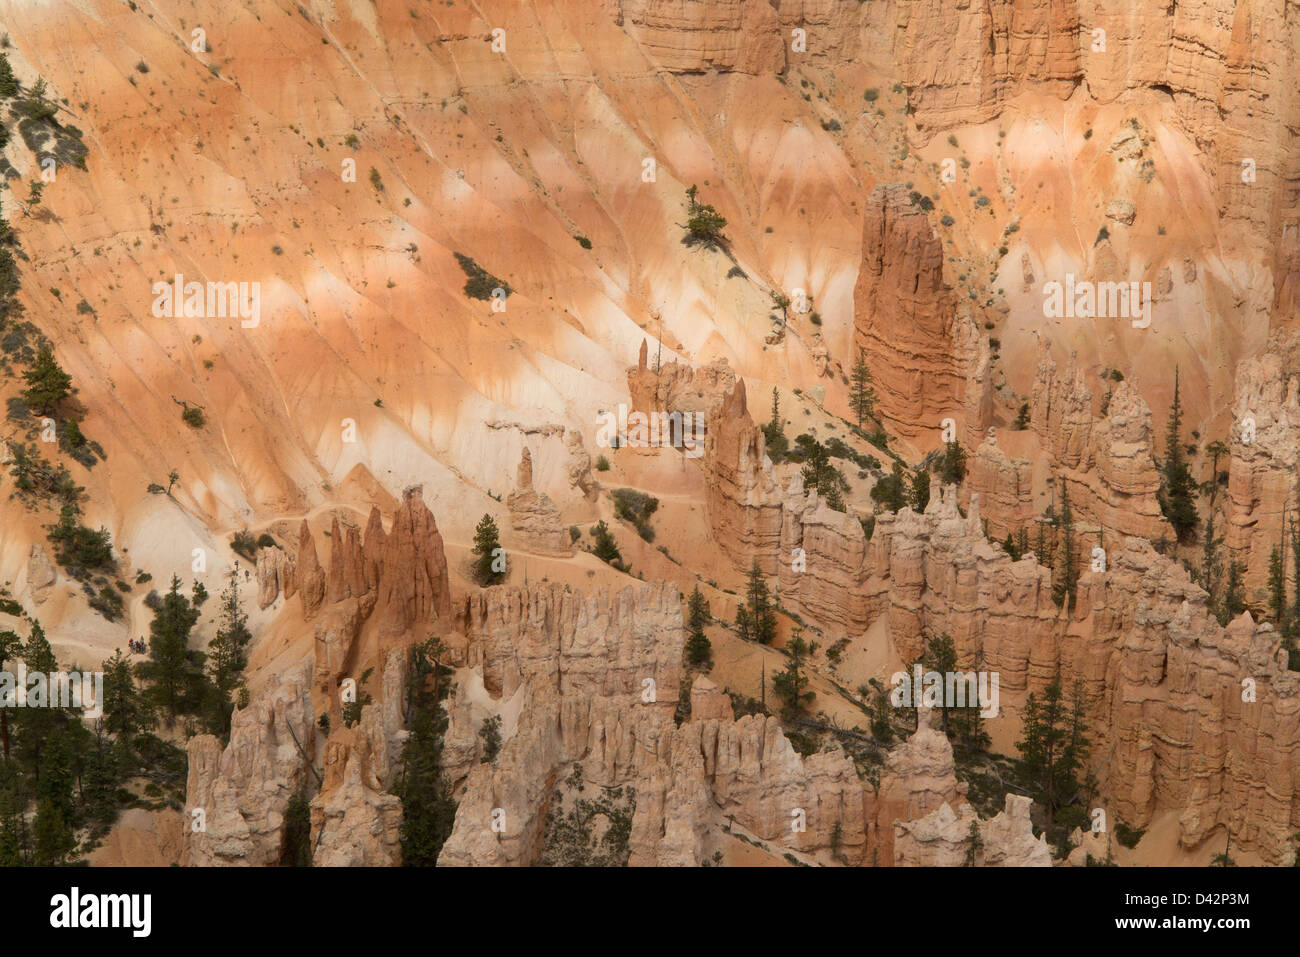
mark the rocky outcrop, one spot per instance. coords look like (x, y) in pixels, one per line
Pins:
(310, 576)
(988, 55)
(742, 499)
(758, 780)
(906, 321)
(940, 839)
(823, 569)
(413, 585)
(600, 676)
(1004, 487)
(709, 702)
(918, 778)
(40, 573)
(1106, 461)
(242, 791)
(1009, 837)
(1264, 450)
(357, 821)
(695, 36)
(276, 576)
(534, 517)
(1089, 844)
(579, 466)
(1162, 682)
(678, 387)
(395, 581)
(943, 838)
(600, 679)
(402, 572)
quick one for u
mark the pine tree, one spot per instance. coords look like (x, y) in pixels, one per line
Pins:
(891, 490)
(1054, 748)
(295, 837)
(699, 650)
(1009, 546)
(37, 653)
(920, 489)
(791, 684)
(1074, 755)
(428, 808)
(100, 785)
(55, 775)
(606, 549)
(862, 395)
(974, 845)
(882, 715)
(489, 569)
(820, 474)
(175, 670)
(13, 830)
(8, 82)
(1215, 450)
(53, 836)
(1276, 584)
(774, 441)
(1211, 563)
(940, 655)
(952, 469)
(1044, 545)
(834, 498)
(744, 628)
(1295, 564)
(1177, 486)
(1065, 589)
(1234, 593)
(228, 655)
(1022, 418)
(11, 648)
(124, 710)
(47, 383)
(705, 225)
(756, 619)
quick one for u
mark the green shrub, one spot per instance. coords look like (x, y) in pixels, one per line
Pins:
(244, 544)
(78, 548)
(108, 603)
(636, 507)
(606, 549)
(1128, 836)
(480, 283)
